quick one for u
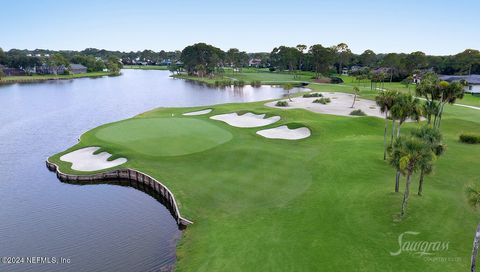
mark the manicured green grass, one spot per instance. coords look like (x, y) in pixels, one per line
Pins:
(253, 74)
(279, 78)
(325, 203)
(206, 80)
(146, 67)
(469, 99)
(163, 136)
(13, 79)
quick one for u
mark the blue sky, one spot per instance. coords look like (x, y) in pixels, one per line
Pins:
(435, 27)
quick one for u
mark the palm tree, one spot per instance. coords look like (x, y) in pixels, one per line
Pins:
(405, 107)
(430, 108)
(473, 194)
(450, 92)
(356, 91)
(433, 138)
(287, 87)
(385, 101)
(407, 156)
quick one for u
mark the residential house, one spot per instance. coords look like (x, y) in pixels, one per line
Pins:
(77, 69)
(472, 82)
(46, 69)
(254, 62)
(12, 71)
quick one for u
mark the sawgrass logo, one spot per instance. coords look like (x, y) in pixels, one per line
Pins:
(418, 247)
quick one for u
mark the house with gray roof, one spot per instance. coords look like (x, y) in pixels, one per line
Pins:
(77, 69)
(473, 82)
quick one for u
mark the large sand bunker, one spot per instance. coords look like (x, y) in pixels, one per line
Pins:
(283, 132)
(84, 159)
(246, 120)
(340, 105)
(200, 112)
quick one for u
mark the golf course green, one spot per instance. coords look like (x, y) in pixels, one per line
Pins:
(164, 136)
(323, 203)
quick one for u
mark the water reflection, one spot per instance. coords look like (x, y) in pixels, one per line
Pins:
(101, 227)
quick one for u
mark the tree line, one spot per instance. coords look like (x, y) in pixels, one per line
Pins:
(323, 60)
(29, 60)
(328, 60)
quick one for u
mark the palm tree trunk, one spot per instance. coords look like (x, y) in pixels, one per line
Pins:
(406, 194)
(393, 131)
(440, 113)
(385, 137)
(475, 249)
(397, 181)
(420, 183)
(354, 98)
(437, 116)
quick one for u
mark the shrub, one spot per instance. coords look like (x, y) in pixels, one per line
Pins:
(323, 100)
(281, 104)
(239, 83)
(358, 113)
(256, 83)
(271, 69)
(223, 83)
(470, 138)
(336, 80)
(313, 95)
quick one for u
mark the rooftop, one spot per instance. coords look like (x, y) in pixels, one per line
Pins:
(472, 79)
(77, 66)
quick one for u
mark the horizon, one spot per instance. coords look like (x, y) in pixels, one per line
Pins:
(124, 27)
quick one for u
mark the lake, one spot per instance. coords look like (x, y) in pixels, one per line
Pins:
(94, 227)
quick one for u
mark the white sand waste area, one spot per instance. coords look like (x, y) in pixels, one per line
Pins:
(340, 105)
(200, 112)
(84, 159)
(283, 132)
(246, 120)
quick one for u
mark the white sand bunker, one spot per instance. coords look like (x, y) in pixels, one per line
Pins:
(200, 112)
(283, 132)
(246, 120)
(340, 105)
(84, 159)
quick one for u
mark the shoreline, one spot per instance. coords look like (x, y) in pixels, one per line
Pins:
(127, 174)
(146, 67)
(212, 82)
(37, 78)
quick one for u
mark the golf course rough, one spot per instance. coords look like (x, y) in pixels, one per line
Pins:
(276, 205)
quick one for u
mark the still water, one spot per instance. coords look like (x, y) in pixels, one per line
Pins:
(93, 227)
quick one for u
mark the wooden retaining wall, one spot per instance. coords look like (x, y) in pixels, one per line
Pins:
(129, 174)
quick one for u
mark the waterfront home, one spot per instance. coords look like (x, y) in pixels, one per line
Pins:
(47, 69)
(7, 71)
(77, 69)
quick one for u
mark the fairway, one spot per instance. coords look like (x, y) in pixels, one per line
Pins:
(164, 136)
(264, 204)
